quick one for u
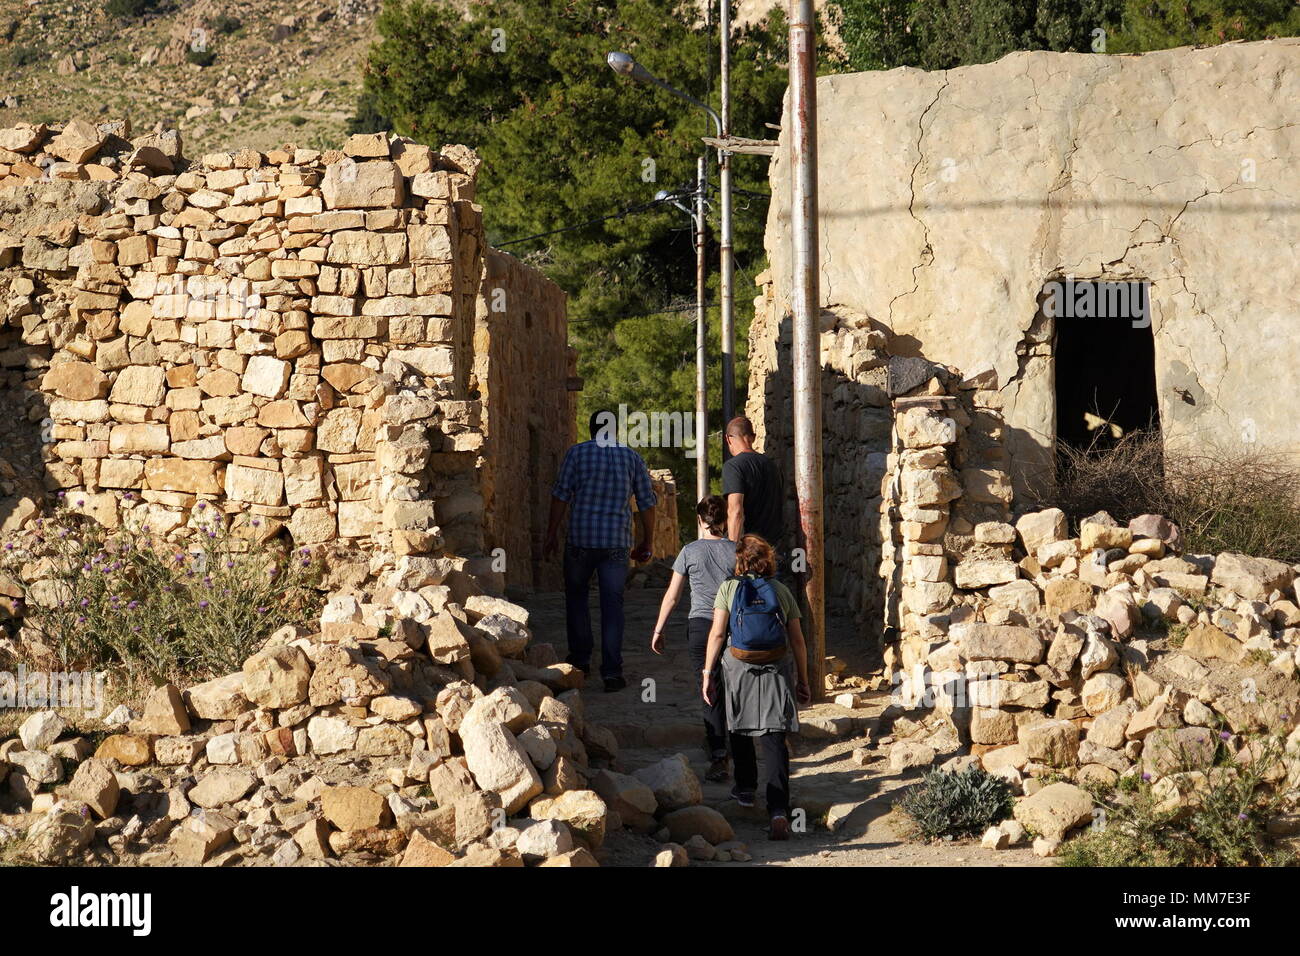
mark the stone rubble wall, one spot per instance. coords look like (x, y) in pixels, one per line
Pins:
(288, 336)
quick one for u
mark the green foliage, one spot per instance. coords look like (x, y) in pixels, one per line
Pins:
(960, 804)
(1224, 821)
(565, 141)
(297, 119)
(204, 57)
(131, 9)
(941, 34)
(127, 599)
(1161, 24)
(22, 55)
(224, 24)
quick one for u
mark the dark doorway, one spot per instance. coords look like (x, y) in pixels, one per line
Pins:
(1105, 361)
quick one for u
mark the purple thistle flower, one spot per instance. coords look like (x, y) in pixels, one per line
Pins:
(262, 610)
(201, 505)
(9, 545)
(1224, 735)
(133, 605)
(62, 494)
(1146, 777)
(203, 604)
(1242, 816)
(257, 522)
(81, 502)
(81, 619)
(212, 534)
(229, 563)
(85, 601)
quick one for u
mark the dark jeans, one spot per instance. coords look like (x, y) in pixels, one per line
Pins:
(776, 769)
(715, 714)
(610, 567)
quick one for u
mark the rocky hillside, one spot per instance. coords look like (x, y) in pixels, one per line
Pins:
(258, 72)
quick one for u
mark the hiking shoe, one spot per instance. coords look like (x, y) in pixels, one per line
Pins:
(614, 683)
(718, 770)
(780, 829)
(743, 797)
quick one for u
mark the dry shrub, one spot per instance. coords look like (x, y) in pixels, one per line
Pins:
(1223, 500)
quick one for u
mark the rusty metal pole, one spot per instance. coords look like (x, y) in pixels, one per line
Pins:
(701, 331)
(727, 293)
(806, 309)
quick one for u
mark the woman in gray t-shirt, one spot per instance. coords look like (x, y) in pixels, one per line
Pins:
(704, 563)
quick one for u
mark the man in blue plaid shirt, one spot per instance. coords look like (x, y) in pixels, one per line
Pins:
(596, 483)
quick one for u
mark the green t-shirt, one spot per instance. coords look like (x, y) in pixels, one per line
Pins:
(727, 594)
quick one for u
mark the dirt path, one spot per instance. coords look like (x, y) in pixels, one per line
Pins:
(658, 715)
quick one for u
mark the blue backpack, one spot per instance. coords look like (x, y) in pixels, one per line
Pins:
(757, 623)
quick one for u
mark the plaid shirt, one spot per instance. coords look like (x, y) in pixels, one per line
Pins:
(598, 480)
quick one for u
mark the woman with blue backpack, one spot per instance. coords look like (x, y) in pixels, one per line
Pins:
(764, 676)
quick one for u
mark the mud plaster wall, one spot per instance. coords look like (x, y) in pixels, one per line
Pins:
(947, 199)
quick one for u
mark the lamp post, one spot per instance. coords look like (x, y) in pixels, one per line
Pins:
(624, 65)
(725, 262)
(701, 327)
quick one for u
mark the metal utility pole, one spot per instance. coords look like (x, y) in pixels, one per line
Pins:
(727, 292)
(701, 329)
(805, 309)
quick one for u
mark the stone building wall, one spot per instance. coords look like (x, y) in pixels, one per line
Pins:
(282, 340)
(523, 369)
(948, 199)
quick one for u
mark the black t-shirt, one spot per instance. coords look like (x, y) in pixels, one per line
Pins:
(757, 478)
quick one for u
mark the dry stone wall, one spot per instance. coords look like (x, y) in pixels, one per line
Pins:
(289, 337)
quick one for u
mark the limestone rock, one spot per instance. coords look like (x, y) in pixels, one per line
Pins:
(672, 781)
(1054, 810)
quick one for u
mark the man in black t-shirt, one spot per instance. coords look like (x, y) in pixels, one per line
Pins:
(752, 485)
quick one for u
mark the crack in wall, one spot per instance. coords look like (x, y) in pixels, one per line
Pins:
(927, 251)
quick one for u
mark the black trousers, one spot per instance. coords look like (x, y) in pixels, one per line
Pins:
(776, 768)
(715, 714)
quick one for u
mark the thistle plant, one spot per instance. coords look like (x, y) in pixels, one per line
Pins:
(155, 608)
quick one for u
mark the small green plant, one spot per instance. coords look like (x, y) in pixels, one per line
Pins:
(201, 57)
(224, 24)
(297, 119)
(159, 609)
(1212, 817)
(129, 9)
(960, 804)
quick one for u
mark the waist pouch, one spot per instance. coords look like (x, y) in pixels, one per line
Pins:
(758, 657)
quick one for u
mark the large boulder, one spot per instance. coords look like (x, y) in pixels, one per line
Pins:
(277, 677)
(498, 762)
(1252, 578)
(672, 781)
(1055, 810)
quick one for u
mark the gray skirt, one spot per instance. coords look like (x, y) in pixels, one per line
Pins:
(760, 697)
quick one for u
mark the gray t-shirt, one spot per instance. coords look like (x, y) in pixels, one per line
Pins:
(706, 562)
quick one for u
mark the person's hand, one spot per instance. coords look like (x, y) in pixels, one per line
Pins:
(803, 691)
(657, 642)
(705, 689)
(641, 553)
(551, 544)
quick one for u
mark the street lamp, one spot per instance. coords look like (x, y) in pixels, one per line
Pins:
(624, 65)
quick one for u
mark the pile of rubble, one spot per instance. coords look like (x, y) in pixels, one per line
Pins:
(406, 730)
(1101, 656)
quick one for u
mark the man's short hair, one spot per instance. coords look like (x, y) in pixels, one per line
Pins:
(603, 424)
(740, 427)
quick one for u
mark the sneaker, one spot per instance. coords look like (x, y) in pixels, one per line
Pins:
(780, 829)
(743, 797)
(718, 770)
(614, 683)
